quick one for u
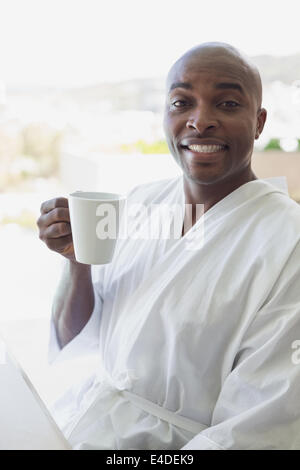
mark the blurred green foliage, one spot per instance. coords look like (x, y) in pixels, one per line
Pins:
(273, 144)
(25, 219)
(42, 143)
(28, 152)
(144, 147)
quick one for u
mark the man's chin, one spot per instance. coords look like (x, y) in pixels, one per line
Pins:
(204, 175)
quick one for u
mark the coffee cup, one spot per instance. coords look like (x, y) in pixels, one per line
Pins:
(95, 221)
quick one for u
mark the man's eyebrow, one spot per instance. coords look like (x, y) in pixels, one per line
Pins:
(218, 86)
(185, 85)
(229, 86)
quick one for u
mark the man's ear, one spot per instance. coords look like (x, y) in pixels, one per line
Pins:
(261, 119)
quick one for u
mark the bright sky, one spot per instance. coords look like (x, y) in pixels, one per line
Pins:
(81, 42)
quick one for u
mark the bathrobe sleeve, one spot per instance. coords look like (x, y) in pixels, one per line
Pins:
(258, 407)
(87, 341)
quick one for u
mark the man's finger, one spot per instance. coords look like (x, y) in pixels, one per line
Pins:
(59, 244)
(57, 230)
(55, 216)
(59, 214)
(48, 206)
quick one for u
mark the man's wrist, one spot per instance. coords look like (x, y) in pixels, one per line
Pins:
(78, 269)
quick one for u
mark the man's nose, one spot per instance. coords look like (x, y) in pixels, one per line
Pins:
(202, 120)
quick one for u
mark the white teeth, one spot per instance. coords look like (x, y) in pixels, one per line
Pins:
(206, 148)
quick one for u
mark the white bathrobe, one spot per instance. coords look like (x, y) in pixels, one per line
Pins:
(197, 347)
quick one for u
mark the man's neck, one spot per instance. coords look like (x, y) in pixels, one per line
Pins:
(210, 194)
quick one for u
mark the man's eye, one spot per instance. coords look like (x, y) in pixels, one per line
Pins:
(230, 104)
(178, 103)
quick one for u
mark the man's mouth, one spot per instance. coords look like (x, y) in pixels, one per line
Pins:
(205, 148)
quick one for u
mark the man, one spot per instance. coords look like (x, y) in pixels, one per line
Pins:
(195, 345)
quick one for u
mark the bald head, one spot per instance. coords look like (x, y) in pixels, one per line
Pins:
(219, 57)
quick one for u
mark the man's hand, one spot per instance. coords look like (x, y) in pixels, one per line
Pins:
(55, 228)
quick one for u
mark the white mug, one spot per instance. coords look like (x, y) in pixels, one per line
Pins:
(95, 221)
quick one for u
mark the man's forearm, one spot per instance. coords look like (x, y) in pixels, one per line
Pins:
(74, 302)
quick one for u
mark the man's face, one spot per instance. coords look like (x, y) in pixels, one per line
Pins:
(212, 117)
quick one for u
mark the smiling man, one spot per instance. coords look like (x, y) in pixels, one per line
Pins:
(213, 114)
(195, 346)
